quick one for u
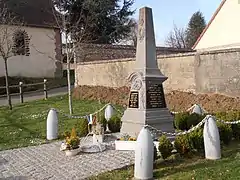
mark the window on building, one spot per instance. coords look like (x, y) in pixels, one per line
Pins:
(21, 43)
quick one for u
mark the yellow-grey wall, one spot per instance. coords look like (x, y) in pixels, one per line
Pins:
(206, 72)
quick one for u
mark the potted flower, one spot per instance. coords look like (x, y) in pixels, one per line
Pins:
(98, 133)
(72, 144)
(98, 130)
(125, 143)
(128, 143)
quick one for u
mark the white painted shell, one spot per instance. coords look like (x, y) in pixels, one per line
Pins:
(52, 125)
(211, 139)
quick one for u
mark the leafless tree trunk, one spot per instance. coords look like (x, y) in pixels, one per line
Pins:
(7, 85)
(8, 26)
(62, 19)
(68, 70)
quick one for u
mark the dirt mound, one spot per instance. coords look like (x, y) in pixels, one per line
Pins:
(176, 100)
(105, 94)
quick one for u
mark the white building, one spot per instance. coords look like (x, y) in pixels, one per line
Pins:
(36, 45)
(222, 31)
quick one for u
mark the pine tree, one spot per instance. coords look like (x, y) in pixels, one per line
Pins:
(195, 27)
(102, 21)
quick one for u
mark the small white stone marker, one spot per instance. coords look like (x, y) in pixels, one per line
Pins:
(143, 168)
(197, 109)
(109, 112)
(211, 139)
(52, 125)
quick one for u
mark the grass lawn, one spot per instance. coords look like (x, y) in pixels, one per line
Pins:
(195, 168)
(26, 124)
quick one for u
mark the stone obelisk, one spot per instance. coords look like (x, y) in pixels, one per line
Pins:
(147, 103)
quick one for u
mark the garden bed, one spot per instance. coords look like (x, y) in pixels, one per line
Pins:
(194, 167)
(176, 100)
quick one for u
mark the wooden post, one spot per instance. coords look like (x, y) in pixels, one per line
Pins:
(45, 88)
(21, 91)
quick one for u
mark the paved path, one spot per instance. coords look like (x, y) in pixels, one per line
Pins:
(30, 96)
(48, 163)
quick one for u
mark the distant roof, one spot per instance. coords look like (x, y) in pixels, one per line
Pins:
(96, 52)
(209, 23)
(38, 13)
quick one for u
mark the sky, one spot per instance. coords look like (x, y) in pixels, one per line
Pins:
(167, 12)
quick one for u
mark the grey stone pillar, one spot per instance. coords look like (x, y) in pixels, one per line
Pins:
(147, 103)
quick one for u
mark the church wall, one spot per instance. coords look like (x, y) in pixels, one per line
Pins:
(44, 48)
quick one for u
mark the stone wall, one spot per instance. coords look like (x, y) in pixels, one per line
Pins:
(205, 72)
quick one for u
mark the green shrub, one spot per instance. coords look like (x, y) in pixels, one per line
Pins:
(180, 121)
(196, 140)
(165, 147)
(193, 119)
(225, 132)
(82, 127)
(103, 121)
(182, 144)
(234, 116)
(221, 115)
(231, 116)
(155, 155)
(114, 124)
(236, 131)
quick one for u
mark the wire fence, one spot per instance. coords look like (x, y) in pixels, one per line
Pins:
(154, 130)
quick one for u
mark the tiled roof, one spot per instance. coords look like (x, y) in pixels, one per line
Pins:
(37, 13)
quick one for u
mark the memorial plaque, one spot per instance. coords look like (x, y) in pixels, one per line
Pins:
(155, 96)
(133, 100)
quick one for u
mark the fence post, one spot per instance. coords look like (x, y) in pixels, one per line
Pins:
(45, 88)
(21, 91)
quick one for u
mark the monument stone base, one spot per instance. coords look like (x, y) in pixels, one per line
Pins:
(134, 119)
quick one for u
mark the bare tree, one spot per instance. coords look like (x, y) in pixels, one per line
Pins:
(133, 33)
(131, 39)
(176, 38)
(9, 25)
(73, 40)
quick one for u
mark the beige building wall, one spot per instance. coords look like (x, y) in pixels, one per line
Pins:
(206, 72)
(41, 62)
(223, 30)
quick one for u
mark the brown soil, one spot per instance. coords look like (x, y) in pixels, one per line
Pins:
(176, 100)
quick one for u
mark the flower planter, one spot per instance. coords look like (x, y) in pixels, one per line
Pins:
(129, 145)
(125, 145)
(72, 152)
(98, 138)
